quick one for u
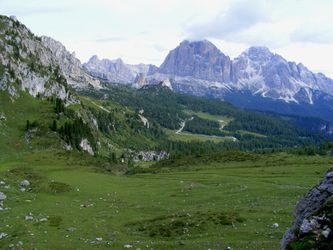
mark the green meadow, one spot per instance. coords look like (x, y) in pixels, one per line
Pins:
(75, 204)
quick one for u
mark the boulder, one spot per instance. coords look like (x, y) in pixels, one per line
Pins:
(2, 196)
(3, 235)
(310, 215)
(326, 232)
(71, 229)
(24, 183)
(29, 217)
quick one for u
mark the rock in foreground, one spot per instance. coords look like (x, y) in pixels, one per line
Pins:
(313, 222)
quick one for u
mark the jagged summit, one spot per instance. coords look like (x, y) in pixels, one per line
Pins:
(257, 53)
(200, 68)
(200, 59)
(204, 42)
(116, 71)
(93, 58)
(69, 64)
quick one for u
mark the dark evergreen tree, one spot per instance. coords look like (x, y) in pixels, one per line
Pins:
(27, 127)
(54, 126)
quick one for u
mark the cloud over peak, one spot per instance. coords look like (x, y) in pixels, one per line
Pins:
(241, 15)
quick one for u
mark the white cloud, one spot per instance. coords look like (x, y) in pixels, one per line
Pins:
(241, 15)
(313, 33)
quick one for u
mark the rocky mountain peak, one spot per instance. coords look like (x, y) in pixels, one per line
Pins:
(200, 68)
(200, 59)
(93, 59)
(118, 61)
(116, 71)
(199, 46)
(259, 54)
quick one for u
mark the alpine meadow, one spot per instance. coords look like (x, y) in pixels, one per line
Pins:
(204, 151)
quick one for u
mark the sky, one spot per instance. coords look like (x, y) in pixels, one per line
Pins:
(144, 31)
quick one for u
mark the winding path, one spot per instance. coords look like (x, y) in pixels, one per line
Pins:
(182, 125)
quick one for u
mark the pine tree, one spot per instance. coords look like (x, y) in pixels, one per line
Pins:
(54, 126)
(113, 157)
(28, 125)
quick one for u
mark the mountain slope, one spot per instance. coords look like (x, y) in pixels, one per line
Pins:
(36, 72)
(270, 75)
(27, 65)
(70, 66)
(162, 107)
(127, 119)
(257, 79)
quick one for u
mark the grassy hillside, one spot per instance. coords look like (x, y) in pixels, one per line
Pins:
(14, 137)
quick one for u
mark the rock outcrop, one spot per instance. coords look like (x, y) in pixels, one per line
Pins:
(85, 146)
(150, 156)
(313, 219)
(70, 66)
(27, 65)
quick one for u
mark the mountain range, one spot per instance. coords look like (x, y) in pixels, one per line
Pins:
(256, 79)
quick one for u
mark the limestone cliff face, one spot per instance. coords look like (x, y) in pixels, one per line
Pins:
(27, 65)
(70, 66)
(313, 219)
(201, 60)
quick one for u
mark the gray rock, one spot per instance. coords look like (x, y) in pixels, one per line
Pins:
(326, 232)
(307, 206)
(71, 229)
(34, 80)
(85, 145)
(198, 59)
(29, 217)
(3, 235)
(150, 155)
(2, 196)
(309, 225)
(24, 183)
(70, 66)
(2, 117)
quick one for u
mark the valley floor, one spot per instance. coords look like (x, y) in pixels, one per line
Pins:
(203, 207)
